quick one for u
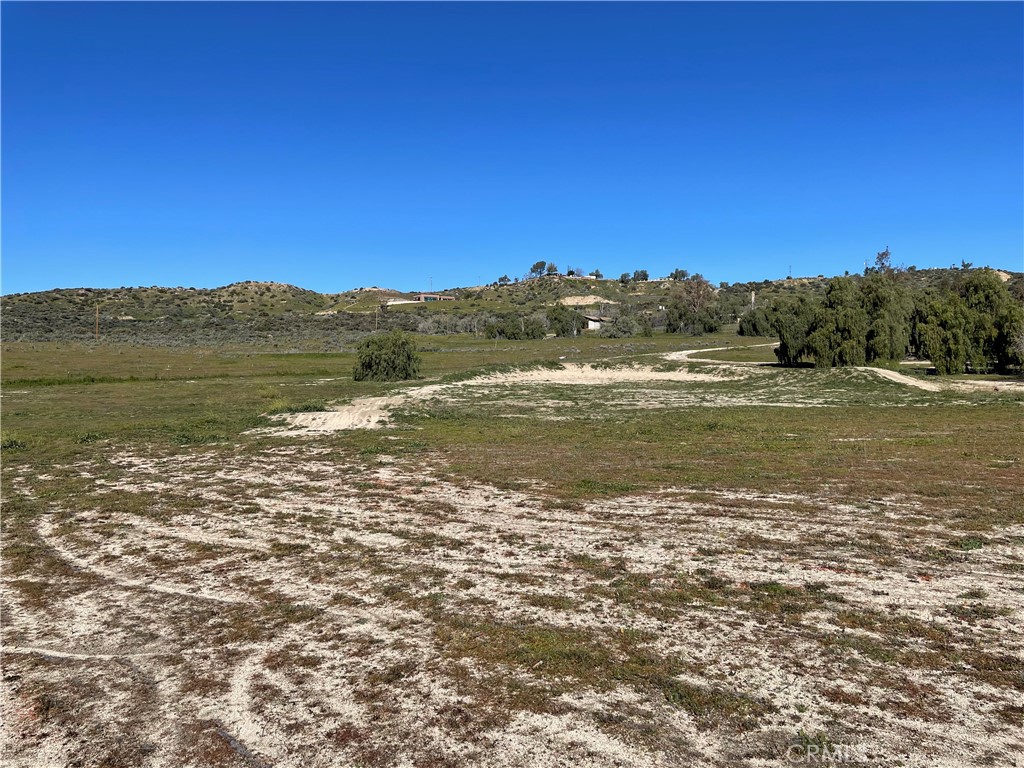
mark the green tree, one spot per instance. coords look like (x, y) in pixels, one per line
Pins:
(883, 263)
(623, 326)
(677, 318)
(994, 318)
(691, 309)
(943, 332)
(538, 269)
(1017, 345)
(563, 321)
(515, 329)
(890, 307)
(791, 320)
(755, 322)
(388, 356)
(838, 333)
(640, 276)
(552, 269)
(597, 274)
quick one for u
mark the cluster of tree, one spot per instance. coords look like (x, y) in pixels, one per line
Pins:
(638, 276)
(973, 324)
(306, 331)
(563, 321)
(627, 324)
(692, 309)
(444, 324)
(541, 268)
(978, 327)
(516, 328)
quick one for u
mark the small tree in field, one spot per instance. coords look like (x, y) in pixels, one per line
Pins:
(387, 357)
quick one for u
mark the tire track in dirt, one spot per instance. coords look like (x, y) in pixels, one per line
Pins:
(368, 674)
(46, 531)
(78, 656)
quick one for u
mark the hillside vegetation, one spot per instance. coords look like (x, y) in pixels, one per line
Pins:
(285, 316)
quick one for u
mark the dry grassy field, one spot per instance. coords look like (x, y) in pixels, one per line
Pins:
(555, 553)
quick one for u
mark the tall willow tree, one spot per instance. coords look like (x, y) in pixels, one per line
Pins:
(838, 333)
(943, 332)
(890, 307)
(995, 319)
(973, 327)
(791, 320)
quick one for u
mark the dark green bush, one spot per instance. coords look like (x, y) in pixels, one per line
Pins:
(515, 329)
(755, 322)
(387, 357)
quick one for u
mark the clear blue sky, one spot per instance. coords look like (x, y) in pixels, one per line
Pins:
(337, 145)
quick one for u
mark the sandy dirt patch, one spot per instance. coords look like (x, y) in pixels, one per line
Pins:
(687, 355)
(373, 412)
(597, 375)
(625, 390)
(317, 612)
(584, 301)
(939, 384)
(901, 378)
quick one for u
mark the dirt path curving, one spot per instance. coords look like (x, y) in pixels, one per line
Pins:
(373, 412)
(688, 355)
(901, 378)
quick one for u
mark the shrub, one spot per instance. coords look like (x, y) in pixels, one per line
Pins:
(515, 329)
(11, 443)
(387, 357)
(755, 322)
(621, 327)
(566, 322)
